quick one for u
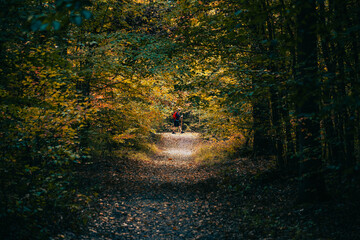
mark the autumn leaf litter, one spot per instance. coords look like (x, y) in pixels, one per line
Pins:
(170, 196)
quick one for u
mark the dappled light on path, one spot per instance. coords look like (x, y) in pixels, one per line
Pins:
(179, 152)
(177, 148)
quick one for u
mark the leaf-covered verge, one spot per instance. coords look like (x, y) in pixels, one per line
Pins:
(264, 199)
(267, 206)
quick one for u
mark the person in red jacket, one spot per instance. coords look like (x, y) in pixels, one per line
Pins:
(177, 121)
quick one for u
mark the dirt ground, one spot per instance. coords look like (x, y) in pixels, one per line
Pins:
(170, 196)
(166, 197)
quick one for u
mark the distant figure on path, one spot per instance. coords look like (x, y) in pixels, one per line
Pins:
(177, 118)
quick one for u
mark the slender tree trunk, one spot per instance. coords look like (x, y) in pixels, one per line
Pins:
(347, 129)
(335, 152)
(276, 119)
(274, 91)
(291, 161)
(262, 145)
(312, 186)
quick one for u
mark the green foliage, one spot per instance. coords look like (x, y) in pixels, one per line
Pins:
(69, 96)
(40, 146)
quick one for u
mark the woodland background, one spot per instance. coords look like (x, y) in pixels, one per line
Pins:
(82, 80)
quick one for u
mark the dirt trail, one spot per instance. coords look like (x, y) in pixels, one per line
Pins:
(171, 197)
(167, 197)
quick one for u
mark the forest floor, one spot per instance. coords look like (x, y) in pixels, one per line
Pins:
(170, 196)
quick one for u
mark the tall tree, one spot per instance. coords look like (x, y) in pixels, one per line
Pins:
(307, 82)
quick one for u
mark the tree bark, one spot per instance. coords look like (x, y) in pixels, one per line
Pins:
(262, 145)
(312, 186)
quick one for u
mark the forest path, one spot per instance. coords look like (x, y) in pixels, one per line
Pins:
(166, 197)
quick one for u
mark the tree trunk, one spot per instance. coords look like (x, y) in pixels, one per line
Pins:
(345, 112)
(312, 186)
(262, 145)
